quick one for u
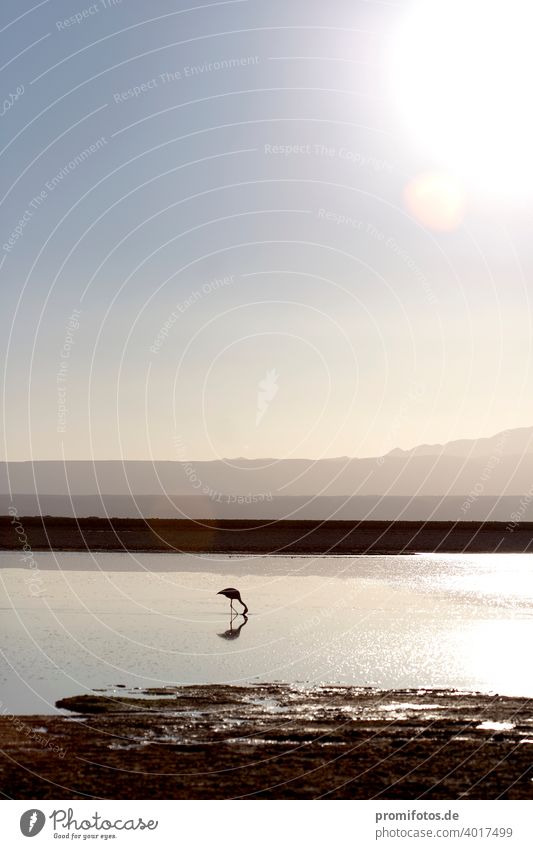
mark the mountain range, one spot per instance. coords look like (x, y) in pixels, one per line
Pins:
(467, 478)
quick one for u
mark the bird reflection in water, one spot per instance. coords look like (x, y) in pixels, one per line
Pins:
(232, 633)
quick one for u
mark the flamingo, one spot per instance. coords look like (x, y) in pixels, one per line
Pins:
(233, 594)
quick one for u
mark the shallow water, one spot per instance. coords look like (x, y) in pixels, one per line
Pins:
(96, 621)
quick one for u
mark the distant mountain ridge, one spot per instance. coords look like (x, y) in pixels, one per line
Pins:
(463, 470)
(509, 442)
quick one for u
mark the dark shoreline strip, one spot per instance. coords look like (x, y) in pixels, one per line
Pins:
(263, 537)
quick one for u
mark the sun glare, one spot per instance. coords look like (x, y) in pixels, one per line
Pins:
(461, 79)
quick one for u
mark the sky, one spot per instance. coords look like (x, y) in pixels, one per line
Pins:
(250, 229)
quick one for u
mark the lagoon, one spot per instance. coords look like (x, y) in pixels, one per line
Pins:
(113, 621)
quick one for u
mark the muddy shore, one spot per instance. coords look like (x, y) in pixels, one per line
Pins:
(270, 741)
(260, 537)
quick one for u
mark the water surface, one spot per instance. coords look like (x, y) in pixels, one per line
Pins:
(82, 622)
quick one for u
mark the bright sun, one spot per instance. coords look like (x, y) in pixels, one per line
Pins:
(461, 75)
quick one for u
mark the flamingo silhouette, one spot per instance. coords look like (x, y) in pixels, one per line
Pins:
(234, 595)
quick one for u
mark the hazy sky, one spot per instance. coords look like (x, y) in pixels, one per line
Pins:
(235, 247)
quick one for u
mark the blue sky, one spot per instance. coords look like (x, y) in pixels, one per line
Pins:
(236, 173)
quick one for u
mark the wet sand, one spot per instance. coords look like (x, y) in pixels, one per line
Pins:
(262, 537)
(272, 741)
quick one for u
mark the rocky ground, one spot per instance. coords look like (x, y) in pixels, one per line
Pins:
(270, 741)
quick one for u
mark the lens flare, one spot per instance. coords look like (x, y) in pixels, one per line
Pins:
(436, 200)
